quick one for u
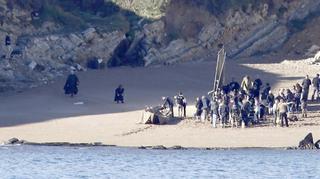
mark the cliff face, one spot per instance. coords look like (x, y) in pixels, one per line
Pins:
(246, 29)
(50, 36)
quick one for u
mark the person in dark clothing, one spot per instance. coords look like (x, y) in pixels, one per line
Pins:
(316, 86)
(257, 84)
(270, 102)
(257, 87)
(8, 45)
(7, 40)
(199, 106)
(245, 112)
(265, 92)
(234, 86)
(290, 100)
(71, 85)
(118, 97)
(168, 105)
(182, 104)
(205, 108)
(306, 84)
(297, 96)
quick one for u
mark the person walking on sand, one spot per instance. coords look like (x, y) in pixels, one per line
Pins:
(118, 97)
(71, 85)
(316, 86)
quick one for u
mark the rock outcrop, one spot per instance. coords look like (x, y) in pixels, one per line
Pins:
(161, 32)
(307, 143)
(245, 32)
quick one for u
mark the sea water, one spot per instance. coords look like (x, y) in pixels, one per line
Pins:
(111, 162)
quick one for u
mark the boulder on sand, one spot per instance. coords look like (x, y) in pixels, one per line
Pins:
(307, 143)
(155, 115)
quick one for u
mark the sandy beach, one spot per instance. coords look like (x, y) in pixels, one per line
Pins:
(45, 114)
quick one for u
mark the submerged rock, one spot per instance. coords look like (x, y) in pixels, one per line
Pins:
(307, 143)
(177, 147)
(14, 141)
(317, 144)
(159, 147)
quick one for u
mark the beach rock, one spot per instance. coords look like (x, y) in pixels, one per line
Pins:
(98, 144)
(177, 147)
(159, 147)
(307, 143)
(317, 144)
(291, 148)
(14, 141)
(142, 147)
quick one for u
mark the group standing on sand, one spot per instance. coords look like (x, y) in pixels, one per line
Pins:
(249, 103)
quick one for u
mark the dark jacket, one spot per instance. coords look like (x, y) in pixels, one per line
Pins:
(257, 84)
(119, 94)
(71, 85)
(306, 83)
(8, 40)
(265, 92)
(234, 86)
(168, 103)
(199, 105)
(270, 99)
(315, 82)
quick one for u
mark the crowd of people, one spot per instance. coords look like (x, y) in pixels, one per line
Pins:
(249, 103)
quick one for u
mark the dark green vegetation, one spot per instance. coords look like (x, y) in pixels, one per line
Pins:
(76, 15)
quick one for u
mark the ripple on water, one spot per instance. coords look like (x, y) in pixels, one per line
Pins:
(100, 162)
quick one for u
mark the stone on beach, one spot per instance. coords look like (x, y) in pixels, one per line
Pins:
(307, 142)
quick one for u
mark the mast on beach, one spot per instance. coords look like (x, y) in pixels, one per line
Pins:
(219, 77)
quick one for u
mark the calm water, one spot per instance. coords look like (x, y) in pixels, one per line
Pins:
(99, 162)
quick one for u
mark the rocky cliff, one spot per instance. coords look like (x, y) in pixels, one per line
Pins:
(50, 36)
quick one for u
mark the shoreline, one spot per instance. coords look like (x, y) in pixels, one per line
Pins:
(157, 147)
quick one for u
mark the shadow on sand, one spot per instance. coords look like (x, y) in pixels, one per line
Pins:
(144, 86)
